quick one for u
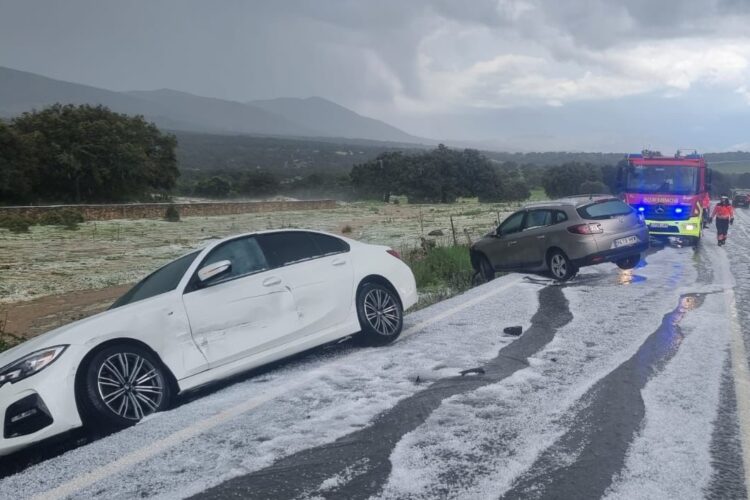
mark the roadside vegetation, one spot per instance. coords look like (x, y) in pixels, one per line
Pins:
(6, 340)
(66, 218)
(440, 272)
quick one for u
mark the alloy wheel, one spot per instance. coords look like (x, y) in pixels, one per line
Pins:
(382, 312)
(558, 266)
(130, 385)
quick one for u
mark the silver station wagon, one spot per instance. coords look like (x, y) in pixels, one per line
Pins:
(561, 236)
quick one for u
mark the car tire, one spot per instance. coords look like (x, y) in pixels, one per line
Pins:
(380, 313)
(560, 266)
(122, 385)
(629, 262)
(485, 268)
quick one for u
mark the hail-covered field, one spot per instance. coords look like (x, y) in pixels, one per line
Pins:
(50, 260)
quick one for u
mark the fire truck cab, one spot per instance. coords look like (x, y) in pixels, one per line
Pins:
(670, 192)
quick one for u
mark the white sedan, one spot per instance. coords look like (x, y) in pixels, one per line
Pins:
(239, 303)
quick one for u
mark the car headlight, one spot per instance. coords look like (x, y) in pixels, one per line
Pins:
(30, 364)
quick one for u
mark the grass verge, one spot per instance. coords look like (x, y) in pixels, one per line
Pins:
(441, 272)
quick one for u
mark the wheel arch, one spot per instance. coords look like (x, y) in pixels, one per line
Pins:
(475, 257)
(380, 280)
(83, 365)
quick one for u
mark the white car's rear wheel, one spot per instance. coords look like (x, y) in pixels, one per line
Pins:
(380, 314)
(124, 384)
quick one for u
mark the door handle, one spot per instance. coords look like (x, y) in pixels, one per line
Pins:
(338, 262)
(512, 243)
(271, 281)
(541, 237)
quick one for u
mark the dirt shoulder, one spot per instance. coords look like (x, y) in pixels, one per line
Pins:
(30, 318)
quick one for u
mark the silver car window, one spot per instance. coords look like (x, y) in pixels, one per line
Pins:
(538, 218)
(512, 224)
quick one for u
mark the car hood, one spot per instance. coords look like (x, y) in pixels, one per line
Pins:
(72, 333)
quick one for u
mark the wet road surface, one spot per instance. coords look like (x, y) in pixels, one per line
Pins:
(624, 384)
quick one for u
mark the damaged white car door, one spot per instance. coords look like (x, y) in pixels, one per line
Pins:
(236, 305)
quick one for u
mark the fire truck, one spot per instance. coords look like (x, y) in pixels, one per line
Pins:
(670, 192)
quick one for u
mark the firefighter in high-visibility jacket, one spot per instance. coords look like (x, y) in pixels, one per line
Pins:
(724, 215)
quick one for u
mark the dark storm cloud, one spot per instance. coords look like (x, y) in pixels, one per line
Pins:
(404, 61)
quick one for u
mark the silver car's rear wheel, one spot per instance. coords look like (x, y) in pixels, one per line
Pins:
(560, 266)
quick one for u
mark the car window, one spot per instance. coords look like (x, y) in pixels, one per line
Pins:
(605, 210)
(559, 216)
(328, 245)
(164, 279)
(283, 249)
(512, 224)
(245, 255)
(538, 218)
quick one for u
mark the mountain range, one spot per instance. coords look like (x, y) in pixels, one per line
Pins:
(21, 91)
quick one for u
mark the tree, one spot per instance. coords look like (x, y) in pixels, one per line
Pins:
(214, 187)
(91, 154)
(381, 177)
(593, 187)
(721, 184)
(258, 183)
(566, 179)
(16, 168)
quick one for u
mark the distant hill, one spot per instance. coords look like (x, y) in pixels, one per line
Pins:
(333, 120)
(222, 116)
(314, 117)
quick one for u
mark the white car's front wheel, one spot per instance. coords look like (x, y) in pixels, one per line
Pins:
(124, 384)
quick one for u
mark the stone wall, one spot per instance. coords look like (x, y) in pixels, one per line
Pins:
(157, 210)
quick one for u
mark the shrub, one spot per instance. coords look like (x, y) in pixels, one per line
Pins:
(69, 218)
(172, 214)
(15, 223)
(346, 229)
(442, 266)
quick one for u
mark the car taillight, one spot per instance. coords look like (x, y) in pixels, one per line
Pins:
(394, 253)
(590, 228)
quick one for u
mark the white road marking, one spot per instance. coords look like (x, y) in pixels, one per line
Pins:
(178, 437)
(740, 371)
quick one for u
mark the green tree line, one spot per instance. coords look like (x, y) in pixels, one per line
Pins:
(76, 154)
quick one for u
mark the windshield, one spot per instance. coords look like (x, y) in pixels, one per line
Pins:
(164, 279)
(664, 179)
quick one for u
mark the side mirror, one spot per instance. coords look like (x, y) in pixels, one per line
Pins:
(212, 270)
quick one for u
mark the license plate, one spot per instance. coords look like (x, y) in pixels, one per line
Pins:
(658, 225)
(622, 242)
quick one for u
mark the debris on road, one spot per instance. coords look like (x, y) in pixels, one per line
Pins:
(513, 330)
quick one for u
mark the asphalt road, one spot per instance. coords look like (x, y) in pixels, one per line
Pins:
(624, 384)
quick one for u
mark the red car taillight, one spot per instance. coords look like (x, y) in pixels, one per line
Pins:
(394, 253)
(590, 228)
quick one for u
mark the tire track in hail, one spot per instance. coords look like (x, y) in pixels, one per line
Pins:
(610, 414)
(361, 459)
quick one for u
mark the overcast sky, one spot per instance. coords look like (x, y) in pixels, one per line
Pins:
(471, 70)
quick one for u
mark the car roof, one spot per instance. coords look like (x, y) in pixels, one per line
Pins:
(571, 201)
